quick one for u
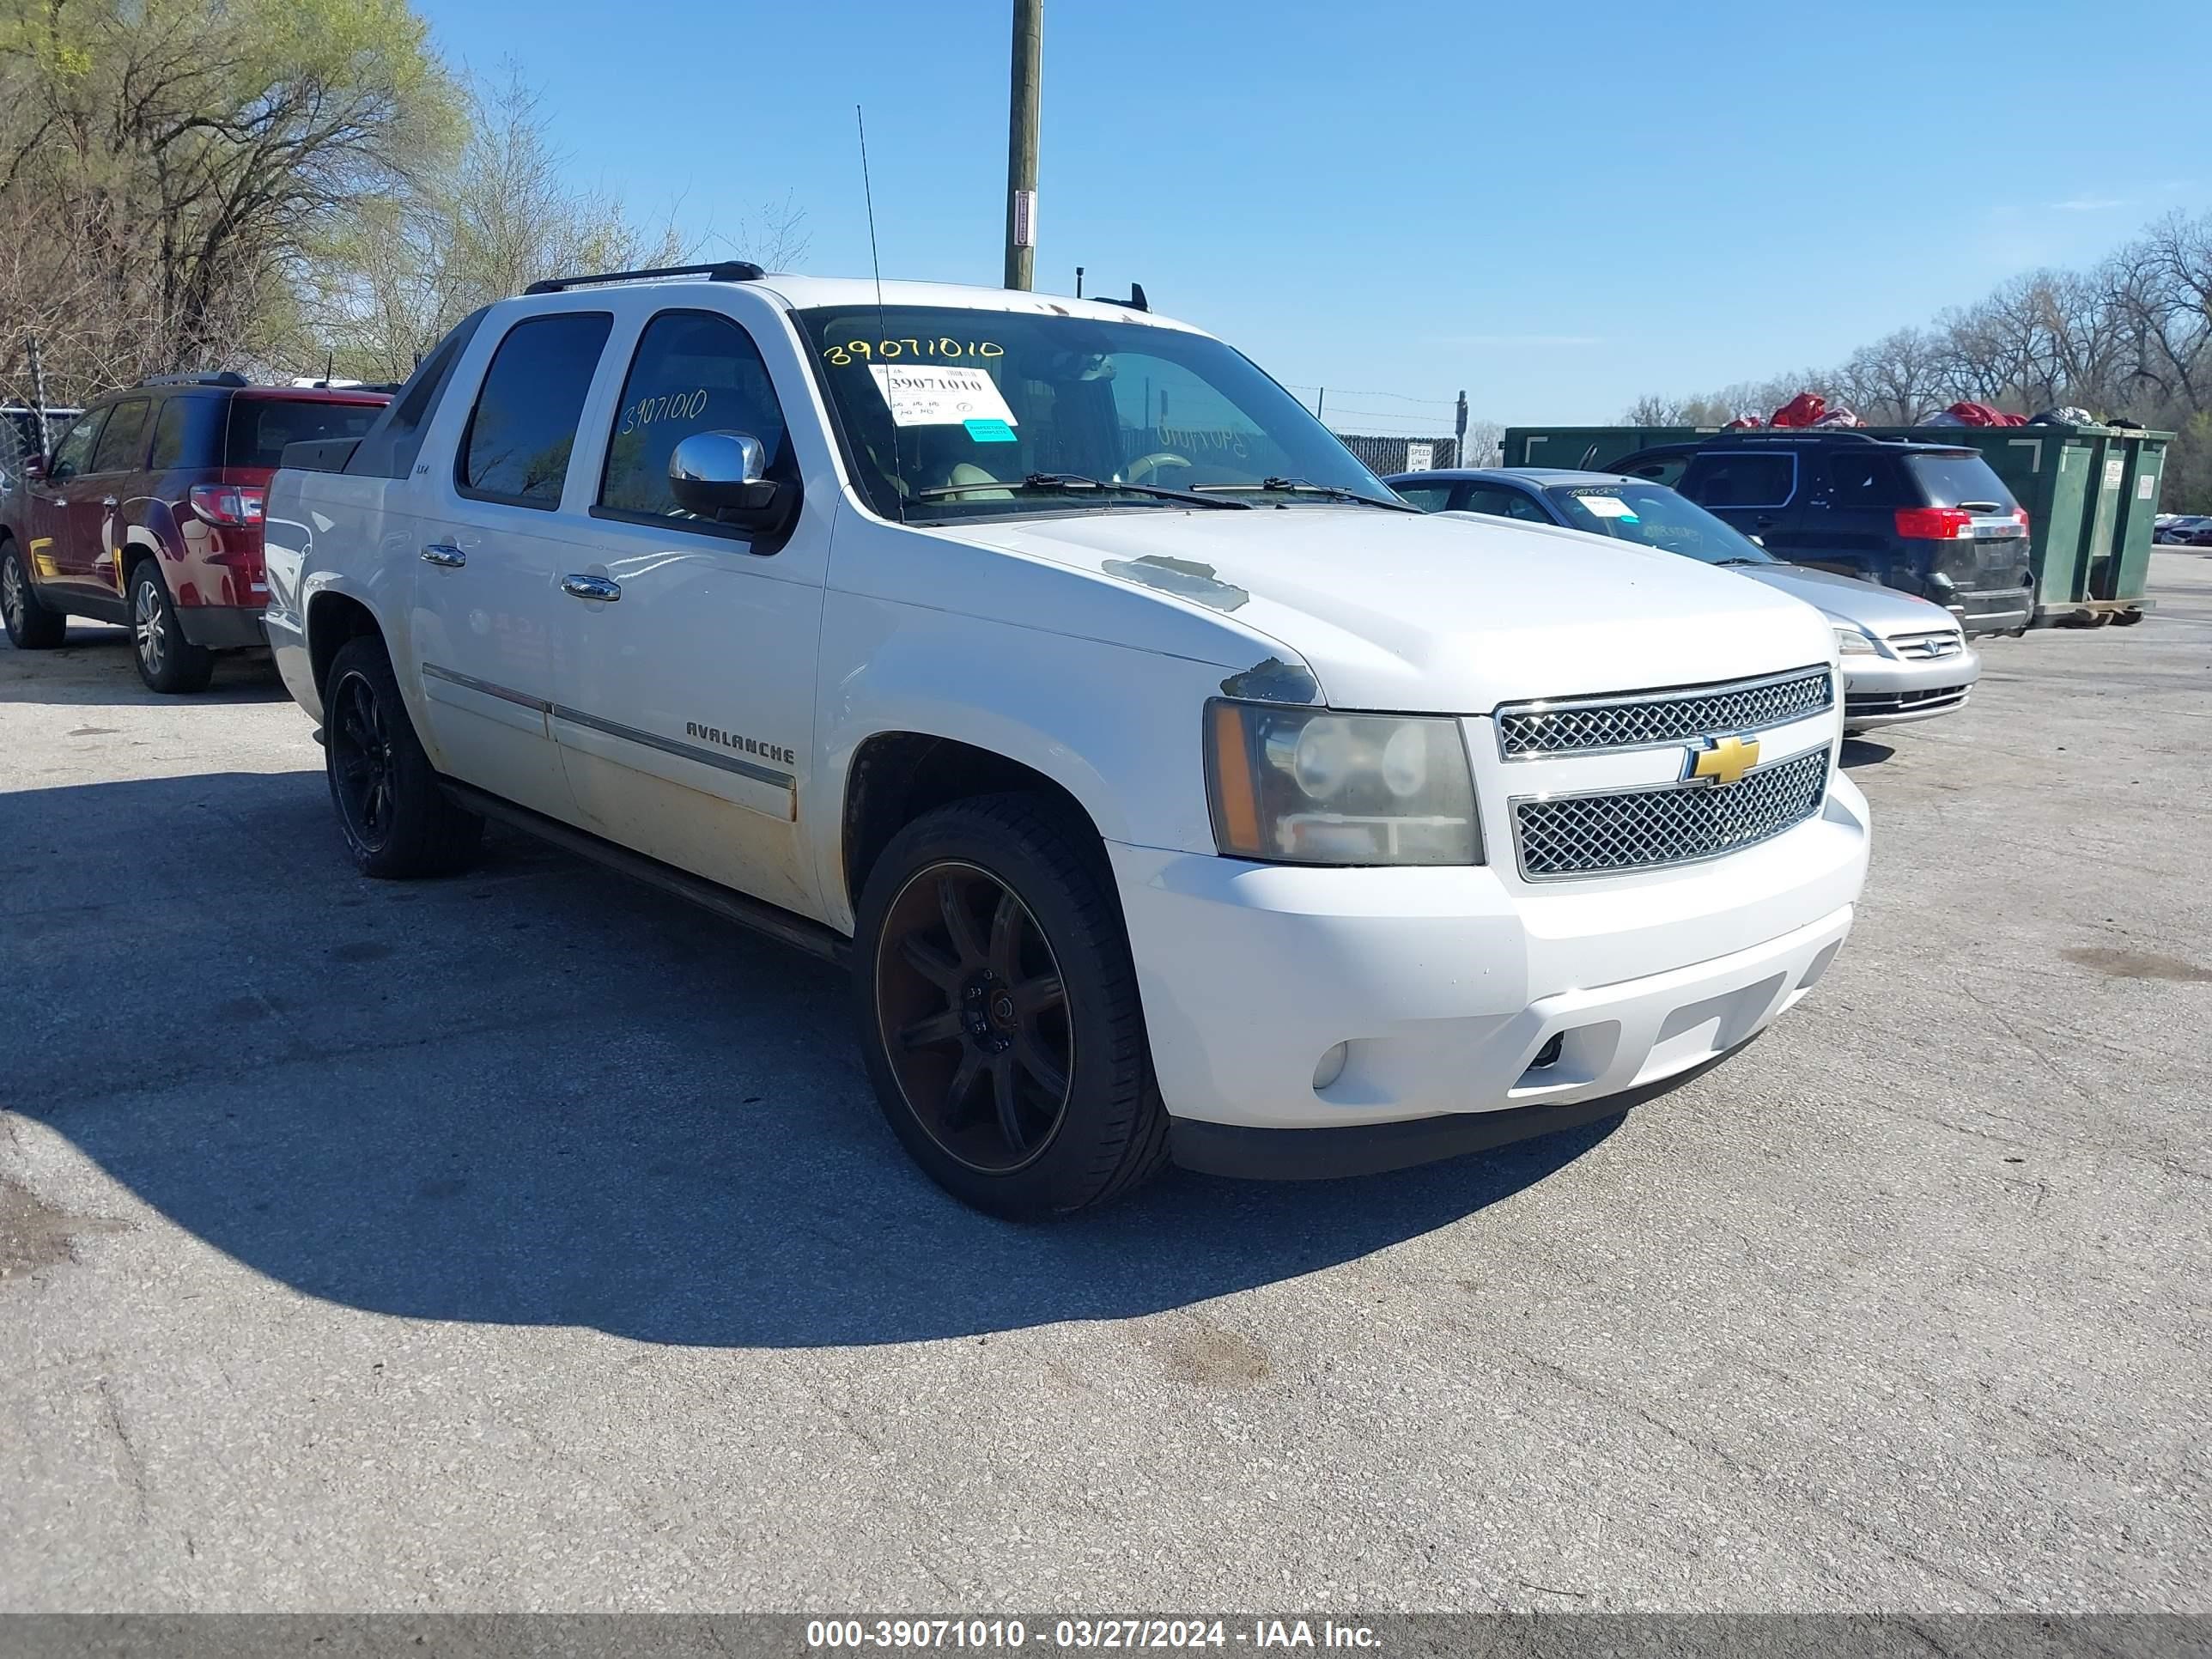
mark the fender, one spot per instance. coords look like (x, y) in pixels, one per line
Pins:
(1119, 729)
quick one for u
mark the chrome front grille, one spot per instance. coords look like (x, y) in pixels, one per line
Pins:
(1584, 725)
(1607, 833)
(1945, 642)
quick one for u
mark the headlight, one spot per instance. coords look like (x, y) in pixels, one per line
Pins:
(1305, 786)
(1853, 643)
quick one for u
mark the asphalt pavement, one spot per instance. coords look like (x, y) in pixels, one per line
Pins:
(530, 1240)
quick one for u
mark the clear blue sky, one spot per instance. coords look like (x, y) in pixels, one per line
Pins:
(1555, 207)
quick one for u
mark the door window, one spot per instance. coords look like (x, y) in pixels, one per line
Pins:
(524, 426)
(74, 453)
(1500, 502)
(695, 371)
(122, 444)
(1740, 479)
(1430, 498)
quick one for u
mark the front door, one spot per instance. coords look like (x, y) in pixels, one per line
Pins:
(685, 669)
(488, 601)
(56, 498)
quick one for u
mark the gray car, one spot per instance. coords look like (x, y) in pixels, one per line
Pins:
(1904, 659)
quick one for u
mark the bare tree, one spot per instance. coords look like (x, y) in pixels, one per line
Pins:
(165, 165)
(2130, 337)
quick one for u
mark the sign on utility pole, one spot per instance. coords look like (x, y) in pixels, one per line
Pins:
(1021, 144)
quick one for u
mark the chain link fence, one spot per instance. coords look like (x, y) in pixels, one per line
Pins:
(1384, 456)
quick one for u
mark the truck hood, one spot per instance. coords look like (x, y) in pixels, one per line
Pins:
(1880, 610)
(1414, 612)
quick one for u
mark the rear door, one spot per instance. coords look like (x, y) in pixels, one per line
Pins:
(1760, 492)
(492, 551)
(92, 549)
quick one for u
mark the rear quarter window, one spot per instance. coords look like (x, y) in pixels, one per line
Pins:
(1955, 480)
(261, 427)
(187, 433)
(1868, 480)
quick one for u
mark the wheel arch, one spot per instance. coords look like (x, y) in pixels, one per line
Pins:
(896, 776)
(333, 617)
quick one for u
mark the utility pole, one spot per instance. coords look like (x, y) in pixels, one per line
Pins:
(1021, 144)
(1459, 434)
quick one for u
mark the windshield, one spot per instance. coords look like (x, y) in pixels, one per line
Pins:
(949, 413)
(1657, 517)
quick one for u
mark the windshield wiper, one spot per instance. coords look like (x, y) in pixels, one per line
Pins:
(1740, 560)
(1066, 483)
(1307, 487)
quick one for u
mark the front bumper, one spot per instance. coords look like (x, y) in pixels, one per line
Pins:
(1891, 691)
(1448, 984)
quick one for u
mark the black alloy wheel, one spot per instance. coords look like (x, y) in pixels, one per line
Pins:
(973, 1017)
(362, 768)
(999, 1011)
(398, 819)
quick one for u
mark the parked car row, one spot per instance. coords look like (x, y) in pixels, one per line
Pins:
(1904, 659)
(1170, 787)
(1927, 518)
(148, 512)
(2184, 530)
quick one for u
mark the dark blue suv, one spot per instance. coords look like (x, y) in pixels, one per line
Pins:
(1929, 519)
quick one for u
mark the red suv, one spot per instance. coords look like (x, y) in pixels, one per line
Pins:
(148, 512)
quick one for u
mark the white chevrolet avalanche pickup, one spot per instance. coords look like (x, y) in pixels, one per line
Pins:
(1172, 789)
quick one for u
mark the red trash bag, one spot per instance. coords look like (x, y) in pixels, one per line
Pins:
(1804, 409)
(1983, 415)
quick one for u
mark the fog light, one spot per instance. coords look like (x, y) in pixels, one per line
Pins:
(1549, 1053)
(1331, 1067)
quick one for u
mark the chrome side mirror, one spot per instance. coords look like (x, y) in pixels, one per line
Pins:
(722, 476)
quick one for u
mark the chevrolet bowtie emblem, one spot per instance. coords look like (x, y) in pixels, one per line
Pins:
(1723, 760)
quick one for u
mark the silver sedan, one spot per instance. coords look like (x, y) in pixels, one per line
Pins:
(1903, 659)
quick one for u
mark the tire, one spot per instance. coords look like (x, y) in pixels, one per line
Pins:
(397, 822)
(31, 626)
(167, 661)
(966, 1032)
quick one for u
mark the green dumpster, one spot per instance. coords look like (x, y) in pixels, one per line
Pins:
(2091, 493)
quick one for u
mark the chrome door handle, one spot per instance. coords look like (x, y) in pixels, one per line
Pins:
(591, 587)
(444, 553)
(109, 500)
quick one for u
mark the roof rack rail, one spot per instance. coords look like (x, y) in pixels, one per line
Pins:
(725, 270)
(199, 377)
(1798, 435)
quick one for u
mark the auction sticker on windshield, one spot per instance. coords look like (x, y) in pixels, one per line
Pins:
(926, 395)
(1607, 506)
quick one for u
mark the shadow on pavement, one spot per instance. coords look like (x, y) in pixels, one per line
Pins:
(1863, 751)
(93, 665)
(537, 1094)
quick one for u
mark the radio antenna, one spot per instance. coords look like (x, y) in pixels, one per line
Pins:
(883, 323)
